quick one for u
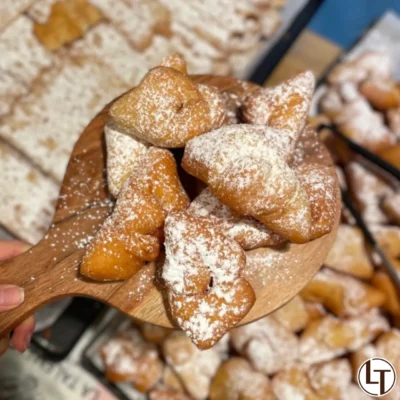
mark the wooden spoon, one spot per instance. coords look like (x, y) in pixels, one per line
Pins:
(50, 270)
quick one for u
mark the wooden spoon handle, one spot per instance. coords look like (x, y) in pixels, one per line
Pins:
(50, 270)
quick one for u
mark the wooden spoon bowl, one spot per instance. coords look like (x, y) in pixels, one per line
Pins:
(50, 270)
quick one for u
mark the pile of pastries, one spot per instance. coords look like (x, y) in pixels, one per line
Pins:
(255, 181)
(312, 347)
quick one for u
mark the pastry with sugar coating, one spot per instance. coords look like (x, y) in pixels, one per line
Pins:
(128, 358)
(124, 153)
(206, 292)
(167, 109)
(195, 368)
(167, 394)
(175, 61)
(284, 107)
(267, 344)
(246, 173)
(342, 294)
(382, 94)
(247, 231)
(130, 237)
(236, 379)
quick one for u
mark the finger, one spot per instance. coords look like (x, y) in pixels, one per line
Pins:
(11, 248)
(4, 343)
(11, 296)
(22, 335)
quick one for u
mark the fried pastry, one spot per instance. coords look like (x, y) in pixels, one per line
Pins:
(171, 379)
(206, 292)
(175, 61)
(195, 368)
(391, 205)
(293, 383)
(247, 231)
(293, 315)
(321, 187)
(167, 394)
(128, 358)
(360, 123)
(330, 337)
(247, 174)
(124, 153)
(267, 344)
(236, 379)
(370, 64)
(392, 155)
(384, 283)
(382, 94)
(284, 107)
(393, 118)
(153, 333)
(331, 380)
(130, 237)
(314, 310)
(167, 109)
(348, 253)
(341, 294)
(367, 191)
(388, 238)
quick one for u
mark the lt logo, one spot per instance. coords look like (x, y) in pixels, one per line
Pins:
(376, 377)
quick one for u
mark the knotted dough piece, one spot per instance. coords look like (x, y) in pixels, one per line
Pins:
(131, 235)
(124, 153)
(247, 231)
(248, 174)
(167, 109)
(284, 107)
(206, 292)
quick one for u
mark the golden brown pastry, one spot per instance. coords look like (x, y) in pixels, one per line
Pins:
(388, 238)
(167, 394)
(293, 383)
(206, 292)
(392, 155)
(128, 358)
(247, 231)
(314, 310)
(247, 174)
(124, 153)
(348, 253)
(171, 379)
(368, 191)
(382, 94)
(236, 379)
(391, 206)
(284, 107)
(342, 294)
(267, 344)
(332, 379)
(370, 64)
(131, 235)
(360, 123)
(293, 315)
(195, 368)
(320, 184)
(175, 61)
(393, 119)
(167, 109)
(383, 282)
(153, 333)
(329, 337)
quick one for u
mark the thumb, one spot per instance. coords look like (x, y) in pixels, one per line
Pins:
(11, 248)
(11, 296)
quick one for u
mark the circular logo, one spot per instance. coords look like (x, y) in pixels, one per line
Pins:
(376, 377)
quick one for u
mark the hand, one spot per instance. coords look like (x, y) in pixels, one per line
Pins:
(12, 296)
